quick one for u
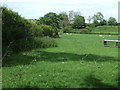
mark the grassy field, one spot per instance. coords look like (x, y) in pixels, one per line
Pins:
(106, 29)
(100, 29)
(79, 61)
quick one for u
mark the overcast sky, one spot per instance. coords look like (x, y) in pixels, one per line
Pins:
(33, 9)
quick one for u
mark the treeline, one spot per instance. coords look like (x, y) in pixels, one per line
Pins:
(74, 20)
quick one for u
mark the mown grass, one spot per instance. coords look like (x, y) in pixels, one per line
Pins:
(79, 61)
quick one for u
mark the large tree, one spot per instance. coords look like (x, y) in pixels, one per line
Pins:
(79, 22)
(98, 18)
(64, 19)
(72, 15)
(51, 19)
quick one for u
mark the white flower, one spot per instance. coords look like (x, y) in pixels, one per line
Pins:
(40, 75)
(63, 62)
(100, 35)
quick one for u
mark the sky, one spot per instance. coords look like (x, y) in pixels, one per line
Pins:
(33, 9)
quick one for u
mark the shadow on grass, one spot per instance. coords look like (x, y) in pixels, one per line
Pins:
(20, 59)
(92, 81)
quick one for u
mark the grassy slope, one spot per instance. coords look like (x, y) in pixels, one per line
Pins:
(106, 29)
(79, 61)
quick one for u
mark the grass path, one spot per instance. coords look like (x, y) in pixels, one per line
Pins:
(79, 61)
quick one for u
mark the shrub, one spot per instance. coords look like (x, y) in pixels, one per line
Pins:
(49, 30)
(84, 31)
(36, 30)
(14, 27)
(33, 43)
(67, 29)
(89, 29)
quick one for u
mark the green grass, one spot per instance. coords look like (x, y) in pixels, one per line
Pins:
(79, 61)
(106, 29)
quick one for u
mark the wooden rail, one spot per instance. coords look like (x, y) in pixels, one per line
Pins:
(116, 41)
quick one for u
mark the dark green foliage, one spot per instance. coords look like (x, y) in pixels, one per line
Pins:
(14, 27)
(112, 21)
(50, 19)
(103, 22)
(67, 29)
(98, 19)
(96, 23)
(18, 34)
(32, 43)
(79, 22)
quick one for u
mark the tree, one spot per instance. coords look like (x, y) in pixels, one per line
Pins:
(51, 19)
(79, 22)
(64, 19)
(72, 15)
(103, 22)
(112, 21)
(97, 18)
(89, 19)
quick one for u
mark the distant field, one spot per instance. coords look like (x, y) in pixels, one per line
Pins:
(79, 61)
(106, 29)
(100, 29)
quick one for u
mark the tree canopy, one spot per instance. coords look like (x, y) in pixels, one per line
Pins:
(79, 22)
(112, 21)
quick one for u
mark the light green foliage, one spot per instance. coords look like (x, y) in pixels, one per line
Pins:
(112, 21)
(79, 61)
(36, 30)
(79, 22)
(47, 30)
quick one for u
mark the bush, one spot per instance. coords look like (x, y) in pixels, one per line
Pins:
(67, 29)
(47, 30)
(89, 29)
(84, 31)
(36, 30)
(33, 43)
(14, 27)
